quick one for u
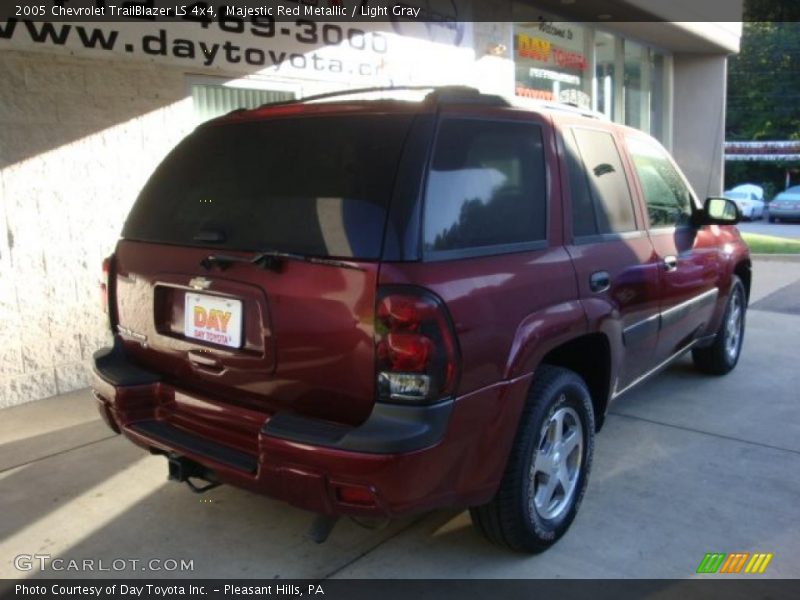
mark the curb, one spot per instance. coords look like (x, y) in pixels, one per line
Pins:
(776, 257)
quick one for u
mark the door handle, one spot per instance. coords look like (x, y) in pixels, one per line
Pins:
(670, 263)
(599, 281)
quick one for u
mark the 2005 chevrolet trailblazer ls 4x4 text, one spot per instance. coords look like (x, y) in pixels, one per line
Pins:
(376, 307)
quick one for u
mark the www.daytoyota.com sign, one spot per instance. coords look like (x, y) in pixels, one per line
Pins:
(397, 49)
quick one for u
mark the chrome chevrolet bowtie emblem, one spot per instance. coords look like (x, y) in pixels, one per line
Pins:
(200, 283)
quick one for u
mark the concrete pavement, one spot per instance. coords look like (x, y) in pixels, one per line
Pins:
(685, 465)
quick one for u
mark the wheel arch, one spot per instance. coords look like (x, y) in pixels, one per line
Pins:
(744, 270)
(559, 336)
(589, 356)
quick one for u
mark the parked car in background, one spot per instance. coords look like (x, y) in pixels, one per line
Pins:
(438, 317)
(786, 205)
(750, 188)
(750, 200)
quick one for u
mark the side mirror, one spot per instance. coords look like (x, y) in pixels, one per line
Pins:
(719, 211)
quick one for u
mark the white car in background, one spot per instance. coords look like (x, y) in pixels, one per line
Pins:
(749, 198)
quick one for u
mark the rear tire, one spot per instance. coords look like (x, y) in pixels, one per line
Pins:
(721, 357)
(548, 467)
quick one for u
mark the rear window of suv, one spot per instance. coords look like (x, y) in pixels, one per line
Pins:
(317, 186)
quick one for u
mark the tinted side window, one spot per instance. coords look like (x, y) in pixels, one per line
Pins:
(602, 168)
(486, 185)
(584, 221)
(669, 201)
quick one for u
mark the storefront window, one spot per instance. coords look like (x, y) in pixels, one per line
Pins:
(550, 62)
(658, 97)
(603, 85)
(636, 92)
(626, 81)
(212, 100)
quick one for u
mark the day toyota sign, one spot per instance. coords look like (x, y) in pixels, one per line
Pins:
(373, 43)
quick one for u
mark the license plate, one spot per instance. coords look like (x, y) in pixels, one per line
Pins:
(213, 319)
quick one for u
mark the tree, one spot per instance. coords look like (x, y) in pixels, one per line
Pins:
(764, 83)
(764, 87)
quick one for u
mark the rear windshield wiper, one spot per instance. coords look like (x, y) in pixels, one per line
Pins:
(270, 260)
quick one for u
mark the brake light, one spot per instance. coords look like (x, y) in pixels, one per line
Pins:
(415, 347)
(104, 284)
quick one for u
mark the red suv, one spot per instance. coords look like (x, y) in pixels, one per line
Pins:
(376, 307)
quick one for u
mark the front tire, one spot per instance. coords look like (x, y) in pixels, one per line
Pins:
(722, 356)
(548, 467)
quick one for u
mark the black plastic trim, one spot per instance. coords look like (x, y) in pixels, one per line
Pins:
(401, 242)
(438, 94)
(178, 439)
(390, 429)
(479, 251)
(302, 429)
(676, 313)
(113, 366)
(635, 333)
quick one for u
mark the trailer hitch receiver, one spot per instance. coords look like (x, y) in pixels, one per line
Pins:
(182, 469)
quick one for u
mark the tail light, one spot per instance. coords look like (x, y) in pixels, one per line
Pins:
(415, 347)
(104, 284)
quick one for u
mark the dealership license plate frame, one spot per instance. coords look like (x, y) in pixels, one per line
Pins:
(234, 325)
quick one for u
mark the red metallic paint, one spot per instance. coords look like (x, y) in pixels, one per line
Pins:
(309, 342)
(320, 315)
(464, 468)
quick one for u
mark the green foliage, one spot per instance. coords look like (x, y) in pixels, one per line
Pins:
(764, 83)
(764, 88)
(771, 10)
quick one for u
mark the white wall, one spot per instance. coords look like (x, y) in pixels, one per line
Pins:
(699, 120)
(78, 137)
(80, 132)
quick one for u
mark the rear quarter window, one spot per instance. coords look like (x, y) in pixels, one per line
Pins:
(486, 187)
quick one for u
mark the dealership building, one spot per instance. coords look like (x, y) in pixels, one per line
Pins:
(87, 110)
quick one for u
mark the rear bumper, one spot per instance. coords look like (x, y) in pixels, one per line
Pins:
(403, 459)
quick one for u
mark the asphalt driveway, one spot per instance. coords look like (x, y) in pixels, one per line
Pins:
(685, 465)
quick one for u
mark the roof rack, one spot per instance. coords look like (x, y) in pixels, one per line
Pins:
(523, 102)
(438, 94)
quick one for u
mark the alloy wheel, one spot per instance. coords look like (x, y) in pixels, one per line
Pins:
(557, 465)
(733, 327)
